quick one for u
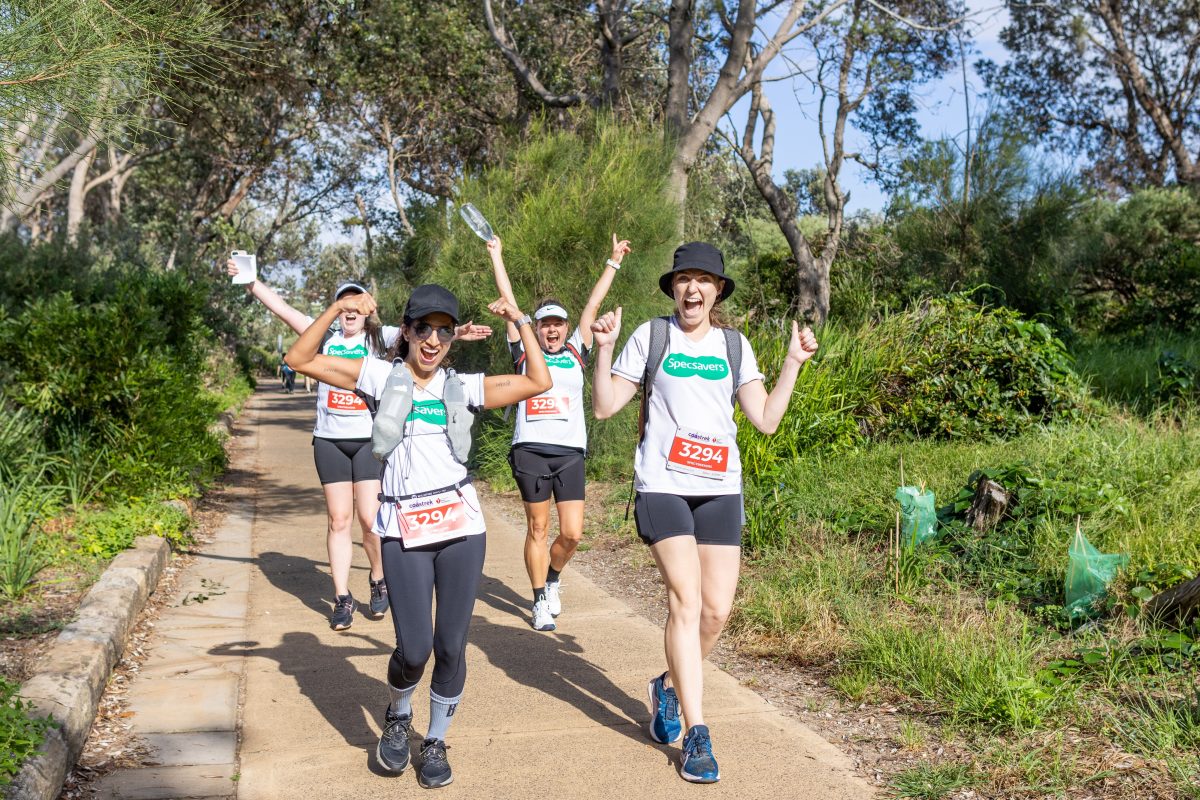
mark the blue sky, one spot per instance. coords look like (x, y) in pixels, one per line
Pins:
(797, 144)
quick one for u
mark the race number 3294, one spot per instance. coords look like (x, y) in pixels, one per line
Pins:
(344, 402)
(547, 407)
(433, 519)
(698, 454)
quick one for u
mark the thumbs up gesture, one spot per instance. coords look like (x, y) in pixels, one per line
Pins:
(803, 345)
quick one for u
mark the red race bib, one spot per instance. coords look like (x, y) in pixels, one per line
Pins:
(698, 454)
(339, 402)
(433, 519)
(546, 407)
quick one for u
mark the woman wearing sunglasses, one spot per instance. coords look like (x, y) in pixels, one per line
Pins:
(348, 473)
(430, 522)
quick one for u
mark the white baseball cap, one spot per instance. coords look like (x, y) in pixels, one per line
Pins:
(349, 286)
(551, 310)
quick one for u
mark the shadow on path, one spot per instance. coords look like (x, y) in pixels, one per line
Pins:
(554, 663)
(325, 674)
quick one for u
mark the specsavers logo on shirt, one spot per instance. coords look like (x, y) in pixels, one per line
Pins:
(429, 411)
(563, 360)
(357, 351)
(710, 367)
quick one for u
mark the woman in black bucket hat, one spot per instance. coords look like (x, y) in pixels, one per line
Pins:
(689, 506)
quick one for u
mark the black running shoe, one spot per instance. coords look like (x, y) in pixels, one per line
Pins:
(379, 599)
(435, 769)
(393, 750)
(343, 612)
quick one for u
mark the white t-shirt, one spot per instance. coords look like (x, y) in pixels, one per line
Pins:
(342, 414)
(423, 461)
(555, 416)
(690, 446)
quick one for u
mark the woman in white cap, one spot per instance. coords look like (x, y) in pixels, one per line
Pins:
(430, 521)
(688, 471)
(550, 439)
(349, 474)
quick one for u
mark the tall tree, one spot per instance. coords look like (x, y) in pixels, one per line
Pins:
(71, 69)
(869, 60)
(1117, 80)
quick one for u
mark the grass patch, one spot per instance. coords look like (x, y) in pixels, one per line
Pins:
(929, 782)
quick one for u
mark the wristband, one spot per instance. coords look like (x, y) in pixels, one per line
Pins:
(613, 264)
(525, 320)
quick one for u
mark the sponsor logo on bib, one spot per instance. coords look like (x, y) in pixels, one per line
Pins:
(342, 351)
(432, 412)
(709, 367)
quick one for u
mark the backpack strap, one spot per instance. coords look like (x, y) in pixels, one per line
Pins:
(578, 356)
(733, 349)
(660, 338)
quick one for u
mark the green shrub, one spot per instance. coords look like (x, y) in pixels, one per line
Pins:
(22, 554)
(972, 371)
(20, 735)
(122, 375)
(104, 533)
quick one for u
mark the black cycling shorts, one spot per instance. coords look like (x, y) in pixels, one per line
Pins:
(345, 460)
(712, 519)
(539, 475)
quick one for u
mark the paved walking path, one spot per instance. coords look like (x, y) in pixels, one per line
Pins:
(248, 693)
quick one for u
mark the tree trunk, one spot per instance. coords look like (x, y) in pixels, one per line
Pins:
(989, 505)
(608, 19)
(1178, 603)
(681, 29)
(77, 194)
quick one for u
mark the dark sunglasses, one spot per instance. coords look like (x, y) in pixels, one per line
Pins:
(421, 330)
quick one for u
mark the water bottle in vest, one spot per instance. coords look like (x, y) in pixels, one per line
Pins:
(392, 414)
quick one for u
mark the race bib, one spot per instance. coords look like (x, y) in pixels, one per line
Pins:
(698, 454)
(339, 402)
(433, 519)
(546, 407)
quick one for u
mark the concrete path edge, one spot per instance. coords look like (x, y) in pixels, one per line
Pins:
(70, 677)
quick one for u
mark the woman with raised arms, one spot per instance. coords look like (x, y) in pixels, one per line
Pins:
(430, 522)
(688, 475)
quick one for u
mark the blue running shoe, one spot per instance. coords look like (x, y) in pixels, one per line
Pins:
(698, 764)
(664, 706)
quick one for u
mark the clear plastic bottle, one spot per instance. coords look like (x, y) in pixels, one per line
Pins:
(477, 222)
(393, 411)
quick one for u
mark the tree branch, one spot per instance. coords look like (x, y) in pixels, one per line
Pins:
(523, 71)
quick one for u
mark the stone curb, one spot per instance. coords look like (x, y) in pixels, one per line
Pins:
(70, 678)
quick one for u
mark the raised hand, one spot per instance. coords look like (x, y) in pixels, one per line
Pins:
(607, 328)
(620, 248)
(495, 248)
(505, 310)
(363, 304)
(803, 344)
(470, 332)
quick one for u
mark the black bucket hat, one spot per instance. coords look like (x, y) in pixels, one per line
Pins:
(697, 255)
(430, 299)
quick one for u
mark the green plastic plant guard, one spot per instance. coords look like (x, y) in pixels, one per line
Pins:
(1089, 572)
(918, 515)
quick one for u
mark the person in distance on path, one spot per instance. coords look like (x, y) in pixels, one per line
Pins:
(430, 521)
(689, 506)
(550, 438)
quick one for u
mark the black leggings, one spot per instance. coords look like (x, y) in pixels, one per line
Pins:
(453, 569)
